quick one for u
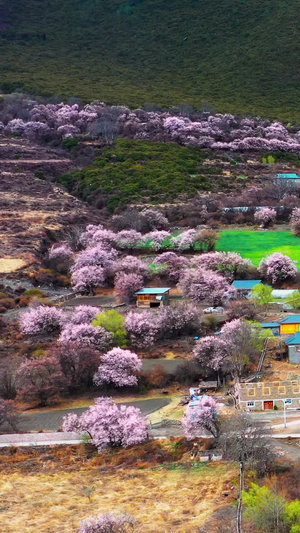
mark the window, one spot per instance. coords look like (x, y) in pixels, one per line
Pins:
(251, 392)
(267, 391)
(288, 401)
(250, 404)
(281, 390)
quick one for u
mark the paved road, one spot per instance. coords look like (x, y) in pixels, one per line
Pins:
(96, 301)
(169, 364)
(52, 420)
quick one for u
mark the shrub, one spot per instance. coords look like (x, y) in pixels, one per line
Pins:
(9, 414)
(113, 322)
(7, 303)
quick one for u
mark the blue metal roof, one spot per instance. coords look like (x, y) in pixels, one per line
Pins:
(246, 284)
(153, 290)
(292, 319)
(288, 176)
(294, 339)
(269, 324)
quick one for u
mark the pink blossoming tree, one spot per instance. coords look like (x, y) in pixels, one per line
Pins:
(60, 251)
(126, 285)
(143, 328)
(265, 216)
(84, 314)
(172, 265)
(295, 221)
(95, 256)
(86, 278)
(119, 368)
(210, 352)
(130, 265)
(201, 417)
(203, 285)
(128, 239)
(41, 319)
(230, 264)
(156, 238)
(277, 268)
(86, 334)
(107, 523)
(109, 424)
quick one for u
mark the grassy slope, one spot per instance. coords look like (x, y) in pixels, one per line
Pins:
(130, 171)
(55, 500)
(257, 244)
(241, 55)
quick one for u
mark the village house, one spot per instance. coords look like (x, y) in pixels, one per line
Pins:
(273, 326)
(245, 286)
(264, 395)
(288, 177)
(289, 325)
(293, 344)
(152, 297)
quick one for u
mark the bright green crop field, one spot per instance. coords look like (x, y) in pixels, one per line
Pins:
(255, 245)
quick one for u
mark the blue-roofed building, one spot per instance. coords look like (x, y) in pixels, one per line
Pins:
(245, 286)
(289, 325)
(152, 296)
(293, 344)
(288, 176)
(273, 326)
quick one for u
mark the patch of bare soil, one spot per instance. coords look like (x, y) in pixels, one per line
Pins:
(32, 208)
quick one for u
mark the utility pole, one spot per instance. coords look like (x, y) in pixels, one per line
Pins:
(239, 505)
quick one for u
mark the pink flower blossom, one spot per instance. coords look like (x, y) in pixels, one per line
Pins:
(118, 367)
(86, 334)
(41, 319)
(109, 424)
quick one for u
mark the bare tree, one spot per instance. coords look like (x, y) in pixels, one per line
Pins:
(245, 440)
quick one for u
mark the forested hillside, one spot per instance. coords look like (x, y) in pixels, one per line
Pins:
(240, 56)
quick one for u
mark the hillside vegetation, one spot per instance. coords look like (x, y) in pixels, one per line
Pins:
(241, 56)
(131, 171)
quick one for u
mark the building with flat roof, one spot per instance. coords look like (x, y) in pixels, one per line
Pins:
(152, 297)
(264, 395)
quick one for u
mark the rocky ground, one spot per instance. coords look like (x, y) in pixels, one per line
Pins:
(32, 208)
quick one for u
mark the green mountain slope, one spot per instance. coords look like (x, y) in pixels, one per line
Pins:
(240, 55)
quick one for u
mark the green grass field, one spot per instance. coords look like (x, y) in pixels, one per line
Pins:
(255, 245)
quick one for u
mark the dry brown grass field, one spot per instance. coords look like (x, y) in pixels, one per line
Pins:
(51, 490)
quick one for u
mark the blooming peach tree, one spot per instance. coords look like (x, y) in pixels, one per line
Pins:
(109, 424)
(119, 368)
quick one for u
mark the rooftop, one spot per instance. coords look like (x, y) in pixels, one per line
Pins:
(246, 284)
(282, 293)
(294, 339)
(153, 290)
(269, 324)
(292, 319)
(291, 176)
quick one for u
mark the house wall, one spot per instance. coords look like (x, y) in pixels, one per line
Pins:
(294, 354)
(288, 329)
(258, 405)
